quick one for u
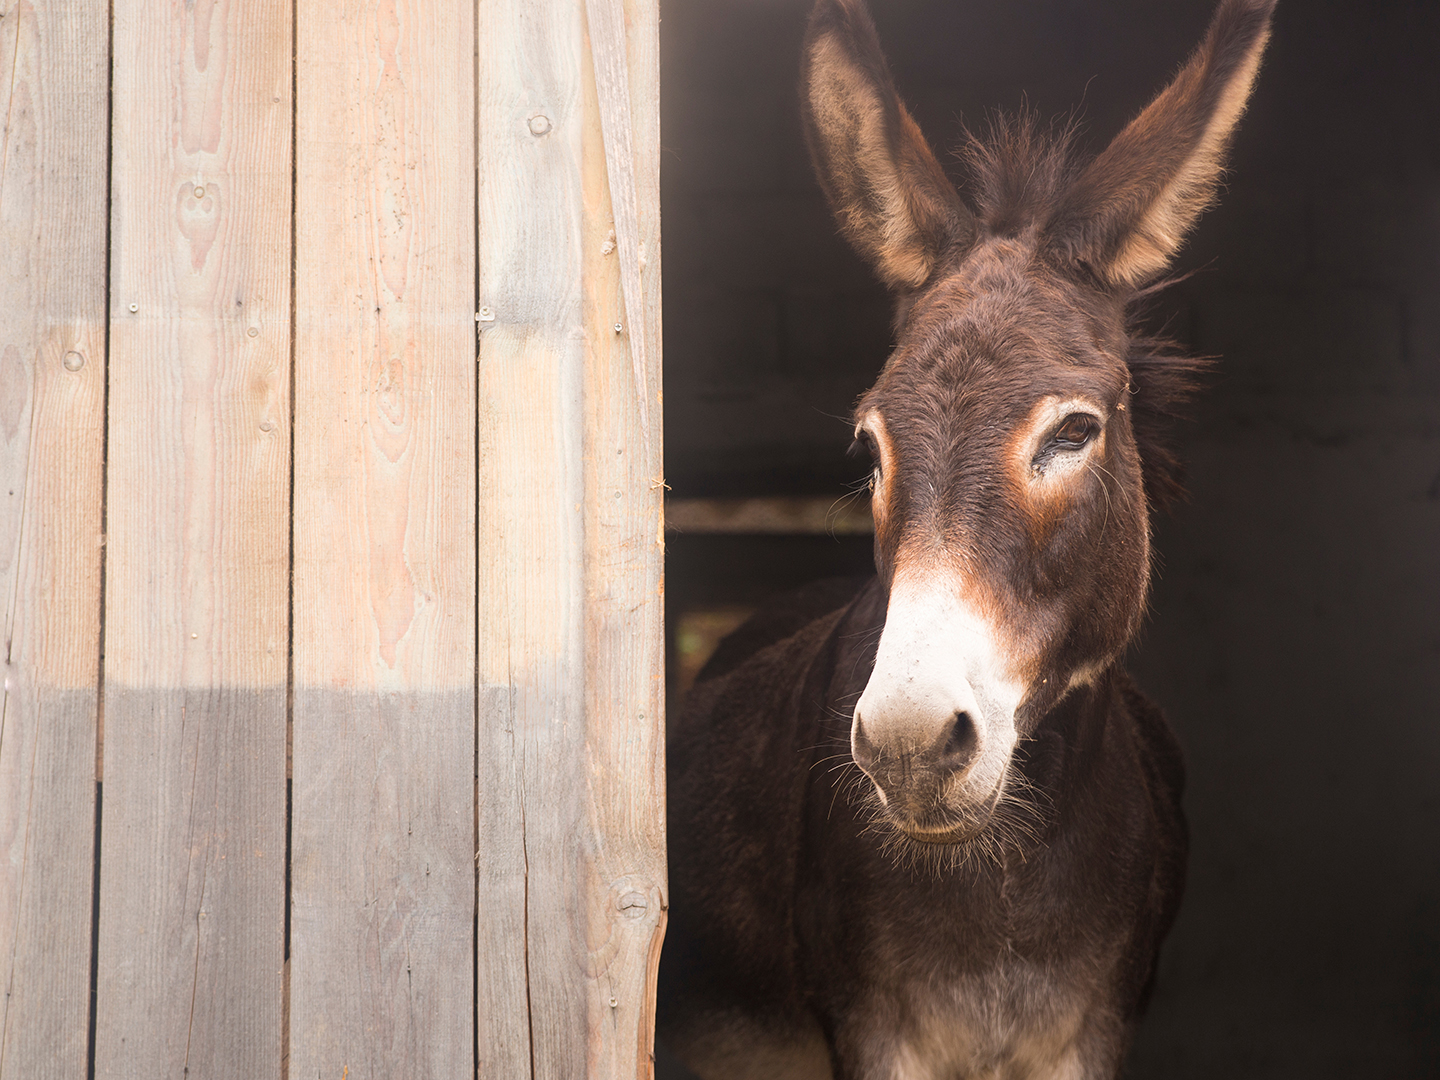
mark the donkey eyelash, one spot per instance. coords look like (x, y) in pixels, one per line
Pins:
(863, 443)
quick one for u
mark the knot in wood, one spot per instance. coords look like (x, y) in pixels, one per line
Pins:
(633, 904)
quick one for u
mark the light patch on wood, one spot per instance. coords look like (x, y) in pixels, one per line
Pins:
(384, 383)
(199, 451)
(698, 634)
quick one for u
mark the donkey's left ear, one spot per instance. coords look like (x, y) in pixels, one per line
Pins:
(1127, 213)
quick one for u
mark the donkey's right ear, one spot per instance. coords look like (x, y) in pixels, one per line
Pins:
(892, 199)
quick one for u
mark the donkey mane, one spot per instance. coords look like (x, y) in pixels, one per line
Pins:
(1163, 377)
(1020, 169)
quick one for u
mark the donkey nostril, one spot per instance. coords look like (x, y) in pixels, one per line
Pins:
(961, 742)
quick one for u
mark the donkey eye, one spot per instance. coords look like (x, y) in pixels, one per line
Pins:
(863, 444)
(1075, 431)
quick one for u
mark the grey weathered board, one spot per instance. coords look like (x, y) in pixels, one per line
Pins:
(53, 84)
(192, 841)
(448, 605)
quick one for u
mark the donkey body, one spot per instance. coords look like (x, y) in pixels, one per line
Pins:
(924, 826)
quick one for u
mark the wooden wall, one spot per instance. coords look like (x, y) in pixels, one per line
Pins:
(330, 541)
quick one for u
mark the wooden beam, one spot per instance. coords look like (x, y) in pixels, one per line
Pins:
(790, 515)
(384, 709)
(193, 827)
(54, 61)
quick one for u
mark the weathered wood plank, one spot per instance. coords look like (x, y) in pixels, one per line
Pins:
(529, 944)
(192, 833)
(571, 771)
(383, 838)
(53, 85)
(624, 565)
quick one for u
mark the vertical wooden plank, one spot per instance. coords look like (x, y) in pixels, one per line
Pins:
(383, 836)
(624, 565)
(192, 835)
(530, 942)
(53, 102)
(571, 773)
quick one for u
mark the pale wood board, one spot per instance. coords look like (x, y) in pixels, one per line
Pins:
(624, 566)
(192, 831)
(53, 87)
(529, 942)
(571, 771)
(383, 829)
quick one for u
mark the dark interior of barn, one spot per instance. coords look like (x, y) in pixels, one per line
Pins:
(1294, 633)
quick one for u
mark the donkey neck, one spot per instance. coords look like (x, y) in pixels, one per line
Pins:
(1067, 746)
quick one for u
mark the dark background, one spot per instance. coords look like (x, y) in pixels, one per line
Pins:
(1295, 635)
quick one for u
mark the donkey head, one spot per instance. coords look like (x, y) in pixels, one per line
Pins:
(1011, 520)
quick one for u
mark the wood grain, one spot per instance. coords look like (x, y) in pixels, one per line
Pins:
(624, 566)
(571, 774)
(53, 83)
(192, 835)
(569, 800)
(529, 943)
(383, 834)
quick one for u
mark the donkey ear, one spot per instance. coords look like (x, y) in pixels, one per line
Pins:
(1129, 210)
(891, 197)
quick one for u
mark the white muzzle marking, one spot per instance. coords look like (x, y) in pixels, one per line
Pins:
(938, 658)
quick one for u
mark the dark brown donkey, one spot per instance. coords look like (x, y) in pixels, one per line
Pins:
(986, 894)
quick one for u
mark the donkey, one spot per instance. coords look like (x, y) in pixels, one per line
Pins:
(926, 826)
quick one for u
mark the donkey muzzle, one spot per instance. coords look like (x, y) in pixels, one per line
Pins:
(921, 761)
(934, 728)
